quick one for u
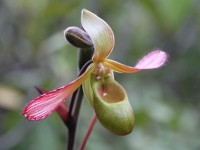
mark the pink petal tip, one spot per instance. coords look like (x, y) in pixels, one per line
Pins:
(152, 60)
(44, 105)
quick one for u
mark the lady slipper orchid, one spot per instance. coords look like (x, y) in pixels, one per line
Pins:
(106, 96)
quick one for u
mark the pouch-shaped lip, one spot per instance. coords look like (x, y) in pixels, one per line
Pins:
(110, 91)
(112, 107)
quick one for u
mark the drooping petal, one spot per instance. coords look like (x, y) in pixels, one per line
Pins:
(44, 105)
(152, 60)
(118, 67)
(101, 34)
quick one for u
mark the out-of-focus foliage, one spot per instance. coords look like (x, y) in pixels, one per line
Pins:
(166, 101)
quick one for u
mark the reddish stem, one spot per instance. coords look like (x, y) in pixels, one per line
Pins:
(91, 126)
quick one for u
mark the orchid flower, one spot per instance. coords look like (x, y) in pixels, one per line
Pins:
(106, 96)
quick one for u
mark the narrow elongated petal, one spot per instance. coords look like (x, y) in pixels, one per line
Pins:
(44, 105)
(101, 34)
(118, 67)
(154, 59)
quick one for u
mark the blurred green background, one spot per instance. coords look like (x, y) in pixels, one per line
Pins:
(166, 101)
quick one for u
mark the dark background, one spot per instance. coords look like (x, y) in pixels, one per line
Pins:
(33, 51)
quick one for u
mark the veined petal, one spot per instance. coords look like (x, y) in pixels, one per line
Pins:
(118, 67)
(44, 105)
(152, 60)
(101, 34)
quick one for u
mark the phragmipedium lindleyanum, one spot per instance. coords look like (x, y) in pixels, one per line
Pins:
(105, 95)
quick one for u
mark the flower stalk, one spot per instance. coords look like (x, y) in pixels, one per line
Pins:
(91, 126)
(74, 109)
(80, 39)
(69, 115)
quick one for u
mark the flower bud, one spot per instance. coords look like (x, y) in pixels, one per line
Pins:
(78, 37)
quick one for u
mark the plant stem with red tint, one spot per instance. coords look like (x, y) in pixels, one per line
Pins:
(91, 126)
